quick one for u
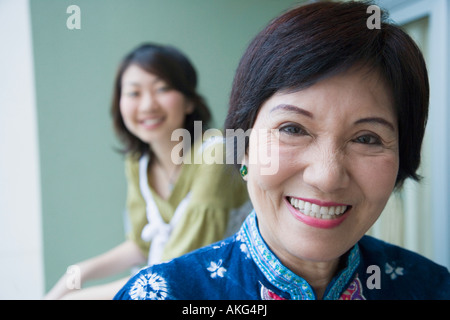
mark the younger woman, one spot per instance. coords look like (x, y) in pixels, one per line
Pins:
(172, 207)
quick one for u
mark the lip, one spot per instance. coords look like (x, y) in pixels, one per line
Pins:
(322, 203)
(151, 123)
(316, 222)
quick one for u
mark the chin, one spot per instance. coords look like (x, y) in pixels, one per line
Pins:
(319, 251)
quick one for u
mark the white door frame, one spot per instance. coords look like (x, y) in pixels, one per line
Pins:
(438, 13)
(21, 252)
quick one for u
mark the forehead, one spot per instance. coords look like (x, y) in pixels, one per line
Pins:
(134, 75)
(354, 93)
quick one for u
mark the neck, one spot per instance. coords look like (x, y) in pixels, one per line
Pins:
(162, 159)
(317, 274)
(161, 153)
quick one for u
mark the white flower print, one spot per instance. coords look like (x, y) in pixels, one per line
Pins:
(243, 245)
(244, 250)
(149, 286)
(393, 271)
(220, 245)
(216, 269)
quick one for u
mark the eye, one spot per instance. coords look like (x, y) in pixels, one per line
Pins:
(162, 86)
(293, 129)
(368, 139)
(131, 94)
(163, 89)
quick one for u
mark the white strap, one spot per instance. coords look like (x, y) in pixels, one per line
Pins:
(153, 215)
(156, 231)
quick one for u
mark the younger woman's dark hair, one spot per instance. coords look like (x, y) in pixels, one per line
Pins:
(174, 68)
(312, 42)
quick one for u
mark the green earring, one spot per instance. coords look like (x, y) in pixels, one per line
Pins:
(243, 170)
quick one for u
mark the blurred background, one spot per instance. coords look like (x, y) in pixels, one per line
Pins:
(62, 183)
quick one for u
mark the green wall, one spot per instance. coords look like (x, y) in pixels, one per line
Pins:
(83, 184)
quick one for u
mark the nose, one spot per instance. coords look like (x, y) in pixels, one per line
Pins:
(148, 103)
(326, 169)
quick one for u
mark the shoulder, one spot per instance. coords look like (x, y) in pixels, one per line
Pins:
(378, 248)
(405, 274)
(131, 165)
(201, 269)
(213, 179)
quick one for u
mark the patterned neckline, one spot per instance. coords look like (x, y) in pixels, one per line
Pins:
(286, 280)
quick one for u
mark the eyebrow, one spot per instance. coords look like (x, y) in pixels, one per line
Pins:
(138, 84)
(131, 83)
(292, 108)
(298, 110)
(376, 120)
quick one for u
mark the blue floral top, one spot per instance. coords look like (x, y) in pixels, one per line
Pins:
(243, 267)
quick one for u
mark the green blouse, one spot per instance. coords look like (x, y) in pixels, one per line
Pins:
(216, 190)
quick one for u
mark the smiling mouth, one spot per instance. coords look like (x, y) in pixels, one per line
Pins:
(151, 122)
(314, 210)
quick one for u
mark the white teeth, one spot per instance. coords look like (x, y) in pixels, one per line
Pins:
(150, 122)
(314, 210)
(306, 206)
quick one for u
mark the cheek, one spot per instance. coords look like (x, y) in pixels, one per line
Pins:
(169, 100)
(175, 108)
(376, 178)
(173, 101)
(127, 108)
(269, 165)
(267, 191)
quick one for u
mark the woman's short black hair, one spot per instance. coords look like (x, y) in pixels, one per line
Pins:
(312, 42)
(170, 65)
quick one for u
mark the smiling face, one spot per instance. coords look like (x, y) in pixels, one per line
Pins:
(150, 108)
(338, 162)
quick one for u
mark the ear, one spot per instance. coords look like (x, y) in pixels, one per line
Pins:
(244, 163)
(244, 159)
(189, 107)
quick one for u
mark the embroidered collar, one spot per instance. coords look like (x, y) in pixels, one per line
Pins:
(286, 280)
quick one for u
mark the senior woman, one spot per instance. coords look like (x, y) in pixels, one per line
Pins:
(342, 108)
